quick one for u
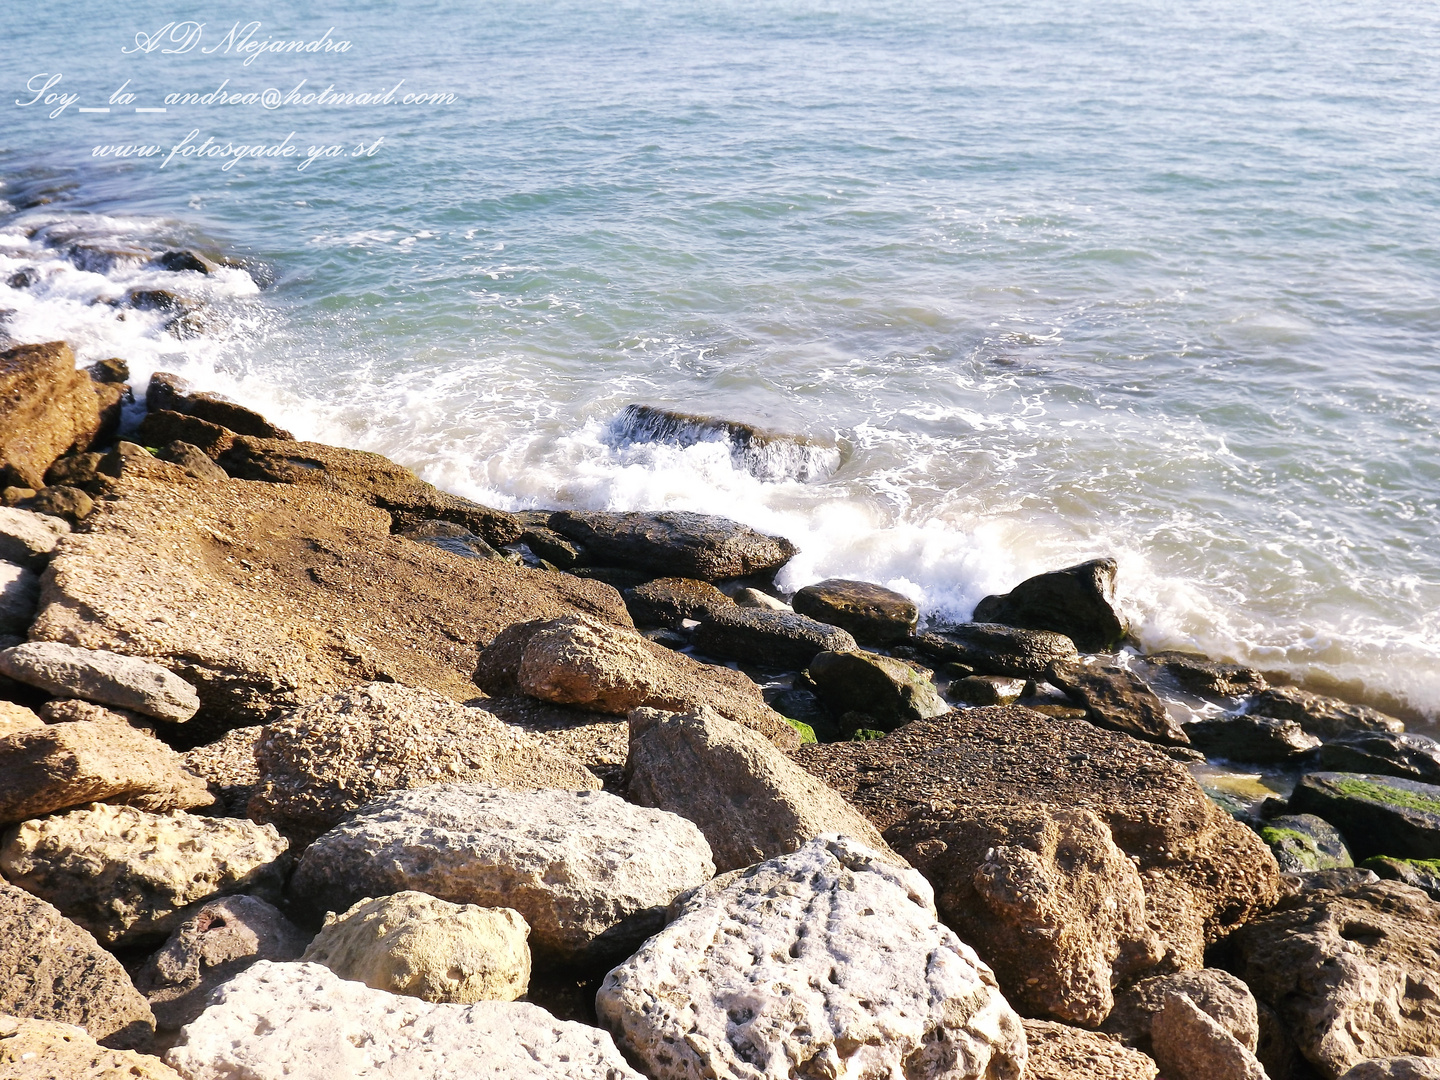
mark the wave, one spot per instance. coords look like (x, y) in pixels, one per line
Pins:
(765, 455)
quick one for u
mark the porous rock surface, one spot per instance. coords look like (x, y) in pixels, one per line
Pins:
(1043, 895)
(15, 718)
(1220, 995)
(126, 875)
(590, 873)
(414, 944)
(1407, 1067)
(48, 1050)
(333, 756)
(1190, 1045)
(1204, 873)
(824, 962)
(673, 542)
(873, 614)
(304, 1022)
(1353, 974)
(51, 969)
(754, 802)
(47, 408)
(1061, 1052)
(27, 538)
(103, 677)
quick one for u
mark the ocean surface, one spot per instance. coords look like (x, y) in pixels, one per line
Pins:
(1058, 280)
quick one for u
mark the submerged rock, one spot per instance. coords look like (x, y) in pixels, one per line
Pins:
(995, 649)
(674, 542)
(1078, 602)
(769, 455)
(1323, 717)
(890, 691)
(1378, 815)
(871, 613)
(774, 639)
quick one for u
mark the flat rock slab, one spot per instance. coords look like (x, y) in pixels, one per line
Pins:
(669, 601)
(1118, 699)
(1323, 717)
(1078, 602)
(826, 961)
(1378, 815)
(674, 543)
(773, 639)
(51, 969)
(127, 876)
(590, 873)
(996, 649)
(1208, 678)
(1060, 1052)
(27, 538)
(46, 1050)
(1389, 753)
(103, 677)
(873, 614)
(887, 689)
(1262, 740)
(303, 1022)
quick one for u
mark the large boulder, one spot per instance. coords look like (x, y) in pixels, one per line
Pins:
(1078, 602)
(265, 597)
(1061, 1052)
(590, 873)
(304, 1022)
(888, 690)
(995, 649)
(1220, 995)
(51, 969)
(669, 601)
(27, 538)
(212, 946)
(754, 803)
(413, 944)
(1378, 815)
(674, 542)
(327, 759)
(1190, 1045)
(172, 393)
(1389, 753)
(587, 664)
(1204, 873)
(873, 614)
(1116, 698)
(1353, 974)
(1262, 740)
(47, 408)
(367, 478)
(128, 876)
(824, 962)
(59, 766)
(773, 639)
(1043, 895)
(1323, 717)
(105, 678)
(47, 1050)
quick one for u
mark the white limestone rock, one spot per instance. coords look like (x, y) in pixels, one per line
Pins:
(105, 678)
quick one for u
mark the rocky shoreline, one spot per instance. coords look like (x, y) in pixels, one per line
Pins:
(308, 768)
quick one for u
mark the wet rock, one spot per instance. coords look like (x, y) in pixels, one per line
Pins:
(162, 427)
(769, 455)
(1220, 995)
(776, 639)
(1339, 879)
(193, 460)
(549, 545)
(59, 766)
(690, 545)
(328, 759)
(47, 409)
(1378, 815)
(1204, 873)
(105, 678)
(871, 613)
(1061, 1052)
(585, 663)
(986, 690)
(51, 969)
(590, 873)
(367, 477)
(60, 501)
(158, 300)
(1118, 699)
(1304, 842)
(112, 370)
(828, 958)
(1043, 895)
(1353, 975)
(804, 706)
(1208, 678)
(667, 601)
(28, 538)
(1190, 1045)
(212, 946)
(19, 595)
(304, 1022)
(1323, 717)
(1389, 753)
(755, 802)
(1259, 739)
(1422, 874)
(46, 1050)
(413, 944)
(182, 260)
(456, 539)
(890, 691)
(993, 649)
(754, 598)
(1396, 1068)
(127, 876)
(1078, 602)
(15, 718)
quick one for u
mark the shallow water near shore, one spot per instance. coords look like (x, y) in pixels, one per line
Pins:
(1059, 281)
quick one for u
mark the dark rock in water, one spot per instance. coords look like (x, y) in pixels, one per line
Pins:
(47, 410)
(1206, 677)
(162, 427)
(368, 477)
(805, 706)
(1323, 717)
(674, 543)
(617, 577)
(23, 279)
(873, 615)
(765, 454)
(193, 460)
(986, 690)
(1117, 699)
(166, 392)
(666, 601)
(996, 649)
(1218, 994)
(891, 691)
(1414, 757)
(549, 545)
(69, 503)
(113, 370)
(158, 300)
(1260, 739)
(1078, 602)
(1378, 815)
(1420, 873)
(1304, 842)
(178, 261)
(456, 539)
(776, 639)
(74, 470)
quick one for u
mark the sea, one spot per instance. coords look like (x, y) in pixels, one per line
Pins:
(1035, 282)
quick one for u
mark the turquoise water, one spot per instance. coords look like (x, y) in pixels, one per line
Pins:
(1139, 279)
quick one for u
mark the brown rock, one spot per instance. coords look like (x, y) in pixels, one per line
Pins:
(193, 461)
(1396, 1068)
(1220, 995)
(14, 718)
(1206, 677)
(229, 764)
(1060, 1052)
(46, 1050)
(47, 409)
(68, 503)
(1119, 700)
(1190, 1045)
(874, 615)
(164, 427)
(666, 601)
(1204, 873)
(1323, 717)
